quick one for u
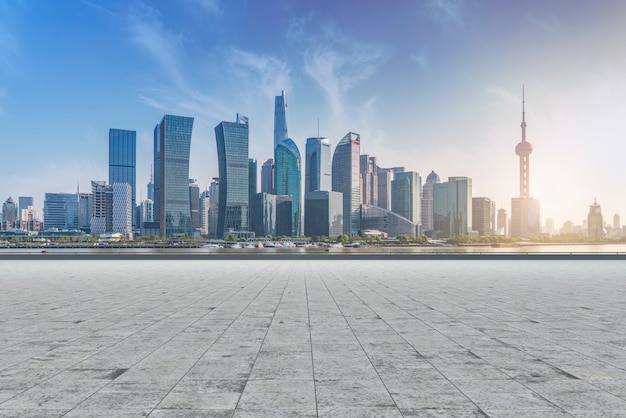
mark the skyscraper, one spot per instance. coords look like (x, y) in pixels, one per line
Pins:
(452, 207)
(9, 214)
(204, 212)
(123, 161)
(214, 198)
(172, 183)
(483, 215)
(267, 176)
(427, 202)
(194, 203)
(405, 195)
(252, 171)
(525, 212)
(122, 209)
(156, 187)
(369, 180)
(234, 171)
(345, 179)
(595, 222)
(280, 119)
(102, 213)
(323, 213)
(150, 186)
(502, 223)
(318, 165)
(60, 211)
(288, 179)
(24, 203)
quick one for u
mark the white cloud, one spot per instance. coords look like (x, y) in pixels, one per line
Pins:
(209, 6)
(149, 34)
(98, 7)
(444, 12)
(334, 60)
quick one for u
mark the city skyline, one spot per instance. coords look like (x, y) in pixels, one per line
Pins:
(427, 85)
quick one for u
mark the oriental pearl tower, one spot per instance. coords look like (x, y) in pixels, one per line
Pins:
(523, 150)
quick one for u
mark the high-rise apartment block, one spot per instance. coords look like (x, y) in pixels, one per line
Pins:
(122, 213)
(345, 179)
(232, 156)
(194, 203)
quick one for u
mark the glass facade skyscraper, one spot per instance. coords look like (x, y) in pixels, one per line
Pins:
(173, 179)
(405, 195)
(60, 210)
(234, 171)
(280, 119)
(288, 179)
(452, 207)
(267, 176)
(156, 186)
(318, 165)
(123, 162)
(345, 179)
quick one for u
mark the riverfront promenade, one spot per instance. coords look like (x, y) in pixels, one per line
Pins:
(312, 338)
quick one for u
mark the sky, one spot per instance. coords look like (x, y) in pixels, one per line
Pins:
(428, 85)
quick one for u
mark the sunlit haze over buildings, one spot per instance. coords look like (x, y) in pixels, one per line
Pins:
(427, 84)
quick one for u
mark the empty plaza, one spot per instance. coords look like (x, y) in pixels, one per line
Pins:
(312, 338)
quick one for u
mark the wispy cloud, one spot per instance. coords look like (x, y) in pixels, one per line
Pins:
(260, 73)
(98, 7)
(335, 60)
(549, 24)
(212, 7)
(444, 12)
(149, 34)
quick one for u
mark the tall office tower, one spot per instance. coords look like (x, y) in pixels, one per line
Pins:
(323, 213)
(102, 213)
(595, 222)
(252, 171)
(525, 212)
(550, 228)
(24, 202)
(9, 214)
(172, 183)
(85, 211)
(288, 180)
(60, 211)
(122, 214)
(214, 200)
(204, 212)
(616, 222)
(234, 169)
(345, 179)
(151, 185)
(502, 223)
(156, 188)
(317, 165)
(267, 176)
(427, 202)
(280, 119)
(452, 207)
(369, 180)
(194, 203)
(405, 195)
(123, 162)
(483, 215)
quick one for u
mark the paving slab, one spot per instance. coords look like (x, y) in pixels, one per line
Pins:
(312, 338)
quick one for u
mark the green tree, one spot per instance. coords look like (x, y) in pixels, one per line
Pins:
(231, 237)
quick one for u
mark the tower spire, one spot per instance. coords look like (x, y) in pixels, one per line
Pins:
(523, 125)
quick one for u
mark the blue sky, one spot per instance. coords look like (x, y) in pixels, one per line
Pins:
(428, 84)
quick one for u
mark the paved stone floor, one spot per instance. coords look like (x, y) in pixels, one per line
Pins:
(312, 338)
